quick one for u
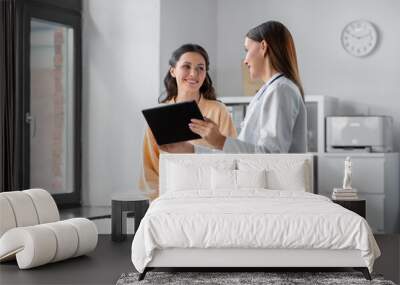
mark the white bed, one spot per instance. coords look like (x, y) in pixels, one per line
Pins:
(214, 211)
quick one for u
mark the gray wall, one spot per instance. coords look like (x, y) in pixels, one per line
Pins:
(121, 41)
(126, 47)
(127, 44)
(370, 84)
(187, 21)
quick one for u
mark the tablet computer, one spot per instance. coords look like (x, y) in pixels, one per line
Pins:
(170, 123)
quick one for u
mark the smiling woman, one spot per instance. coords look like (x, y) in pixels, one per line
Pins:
(188, 76)
(186, 80)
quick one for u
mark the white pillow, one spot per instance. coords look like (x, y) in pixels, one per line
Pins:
(226, 179)
(223, 179)
(181, 177)
(186, 175)
(251, 178)
(287, 174)
(289, 179)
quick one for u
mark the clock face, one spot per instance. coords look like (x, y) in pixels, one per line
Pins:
(359, 38)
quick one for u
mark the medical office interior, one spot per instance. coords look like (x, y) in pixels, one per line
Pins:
(95, 64)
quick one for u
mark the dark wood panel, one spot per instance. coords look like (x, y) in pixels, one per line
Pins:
(357, 206)
(72, 5)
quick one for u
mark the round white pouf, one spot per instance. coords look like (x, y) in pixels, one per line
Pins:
(7, 218)
(33, 246)
(45, 205)
(23, 208)
(40, 244)
(67, 240)
(87, 234)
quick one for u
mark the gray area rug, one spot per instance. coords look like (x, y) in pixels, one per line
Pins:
(228, 278)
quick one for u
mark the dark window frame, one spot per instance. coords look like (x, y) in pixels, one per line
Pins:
(67, 13)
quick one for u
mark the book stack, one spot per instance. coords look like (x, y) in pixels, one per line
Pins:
(344, 194)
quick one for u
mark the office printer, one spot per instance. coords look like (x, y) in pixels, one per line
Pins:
(359, 133)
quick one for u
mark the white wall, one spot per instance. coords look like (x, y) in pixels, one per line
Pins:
(127, 44)
(324, 65)
(120, 77)
(188, 21)
(124, 45)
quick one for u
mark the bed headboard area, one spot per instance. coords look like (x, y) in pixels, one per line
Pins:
(179, 172)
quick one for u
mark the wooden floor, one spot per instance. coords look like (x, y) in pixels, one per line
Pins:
(111, 259)
(103, 266)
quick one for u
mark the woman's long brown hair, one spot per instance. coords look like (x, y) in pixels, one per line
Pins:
(281, 49)
(171, 88)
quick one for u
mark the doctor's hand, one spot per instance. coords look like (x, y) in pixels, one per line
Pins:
(209, 131)
(180, 147)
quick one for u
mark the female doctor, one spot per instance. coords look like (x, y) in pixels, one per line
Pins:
(276, 117)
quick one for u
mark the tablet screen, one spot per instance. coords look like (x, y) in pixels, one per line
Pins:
(170, 123)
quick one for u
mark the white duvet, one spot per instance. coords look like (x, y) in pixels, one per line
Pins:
(250, 219)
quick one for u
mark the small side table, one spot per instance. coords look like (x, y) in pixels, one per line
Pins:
(121, 205)
(357, 206)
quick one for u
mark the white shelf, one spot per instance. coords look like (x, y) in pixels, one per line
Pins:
(236, 100)
(318, 107)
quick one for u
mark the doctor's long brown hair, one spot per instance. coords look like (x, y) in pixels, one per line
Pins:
(281, 49)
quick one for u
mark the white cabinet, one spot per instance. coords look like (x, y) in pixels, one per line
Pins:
(318, 107)
(375, 176)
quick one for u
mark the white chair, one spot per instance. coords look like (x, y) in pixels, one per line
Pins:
(32, 233)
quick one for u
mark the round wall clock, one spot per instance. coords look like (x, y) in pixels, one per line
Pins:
(359, 38)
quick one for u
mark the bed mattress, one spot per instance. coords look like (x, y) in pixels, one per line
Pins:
(251, 219)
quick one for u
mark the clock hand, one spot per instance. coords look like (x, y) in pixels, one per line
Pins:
(369, 34)
(363, 36)
(352, 35)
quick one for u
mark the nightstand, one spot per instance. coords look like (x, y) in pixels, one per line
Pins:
(376, 177)
(121, 205)
(357, 206)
